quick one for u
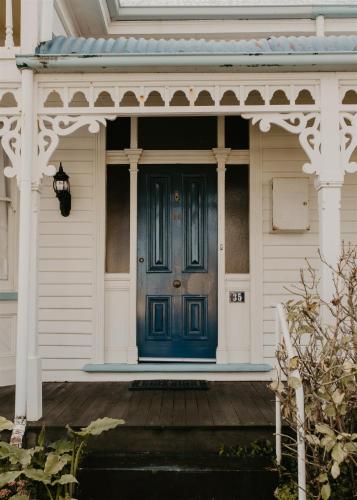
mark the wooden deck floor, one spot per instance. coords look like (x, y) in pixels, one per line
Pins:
(225, 404)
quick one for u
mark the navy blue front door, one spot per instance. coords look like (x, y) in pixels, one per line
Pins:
(177, 261)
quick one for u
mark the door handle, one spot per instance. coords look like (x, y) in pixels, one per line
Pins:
(176, 283)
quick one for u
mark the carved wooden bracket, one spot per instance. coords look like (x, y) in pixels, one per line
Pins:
(348, 140)
(10, 134)
(305, 125)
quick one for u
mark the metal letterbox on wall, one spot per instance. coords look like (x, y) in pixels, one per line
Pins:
(290, 204)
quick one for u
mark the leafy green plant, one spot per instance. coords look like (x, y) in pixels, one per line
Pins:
(46, 471)
(288, 491)
(258, 448)
(326, 358)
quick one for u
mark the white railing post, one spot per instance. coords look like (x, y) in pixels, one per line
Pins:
(277, 398)
(9, 29)
(282, 326)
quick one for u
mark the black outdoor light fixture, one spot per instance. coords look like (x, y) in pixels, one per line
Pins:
(62, 189)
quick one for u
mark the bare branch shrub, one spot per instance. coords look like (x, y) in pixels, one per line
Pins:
(326, 359)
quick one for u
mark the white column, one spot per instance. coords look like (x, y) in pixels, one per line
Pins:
(30, 22)
(329, 183)
(329, 203)
(34, 375)
(46, 28)
(256, 244)
(100, 215)
(9, 38)
(27, 132)
(133, 157)
(221, 155)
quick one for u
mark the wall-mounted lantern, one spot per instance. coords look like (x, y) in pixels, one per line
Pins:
(62, 189)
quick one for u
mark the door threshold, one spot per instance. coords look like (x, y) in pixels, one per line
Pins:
(159, 368)
(176, 360)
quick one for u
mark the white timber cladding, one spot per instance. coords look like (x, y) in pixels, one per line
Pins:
(69, 323)
(67, 302)
(67, 262)
(7, 342)
(284, 255)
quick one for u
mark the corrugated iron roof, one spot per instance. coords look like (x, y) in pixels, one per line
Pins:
(279, 45)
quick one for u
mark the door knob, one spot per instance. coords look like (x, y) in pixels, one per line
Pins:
(177, 283)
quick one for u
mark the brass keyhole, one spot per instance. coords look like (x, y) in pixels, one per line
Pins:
(177, 196)
(177, 283)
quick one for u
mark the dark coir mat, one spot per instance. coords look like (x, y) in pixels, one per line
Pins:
(169, 385)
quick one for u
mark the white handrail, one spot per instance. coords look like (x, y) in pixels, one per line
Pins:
(9, 30)
(282, 334)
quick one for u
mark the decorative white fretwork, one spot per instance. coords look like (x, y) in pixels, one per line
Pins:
(9, 98)
(11, 139)
(52, 128)
(348, 140)
(306, 126)
(145, 95)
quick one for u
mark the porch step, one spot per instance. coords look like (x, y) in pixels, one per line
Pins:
(183, 440)
(161, 463)
(175, 477)
(176, 367)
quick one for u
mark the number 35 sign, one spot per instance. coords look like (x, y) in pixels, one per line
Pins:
(236, 297)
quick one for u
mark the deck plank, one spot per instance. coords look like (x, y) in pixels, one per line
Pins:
(167, 408)
(179, 415)
(132, 414)
(204, 410)
(248, 407)
(225, 404)
(192, 416)
(265, 399)
(222, 409)
(118, 400)
(7, 402)
(154, 413)
(55, 403)
(141, 416)
(242, 404)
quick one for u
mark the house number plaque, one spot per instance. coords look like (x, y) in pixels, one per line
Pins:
(236, 297)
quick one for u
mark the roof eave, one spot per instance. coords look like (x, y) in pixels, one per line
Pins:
(304, 11)
(327, 61)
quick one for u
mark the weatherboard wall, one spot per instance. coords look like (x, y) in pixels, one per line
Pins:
(67, 321)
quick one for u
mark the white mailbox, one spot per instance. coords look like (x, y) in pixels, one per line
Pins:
(290, 204)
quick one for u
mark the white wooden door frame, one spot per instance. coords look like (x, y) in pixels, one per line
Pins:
(256, 244)
(244, 157)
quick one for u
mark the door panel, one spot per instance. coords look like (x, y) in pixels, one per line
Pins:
(195, 317)
(159, 318)
(195, 218)
(177, 262)
(159, 224)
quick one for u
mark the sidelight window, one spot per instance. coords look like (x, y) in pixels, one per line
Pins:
(118, 219)
(237, 219)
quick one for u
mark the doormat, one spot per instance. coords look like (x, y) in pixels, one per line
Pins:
(169, 385)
